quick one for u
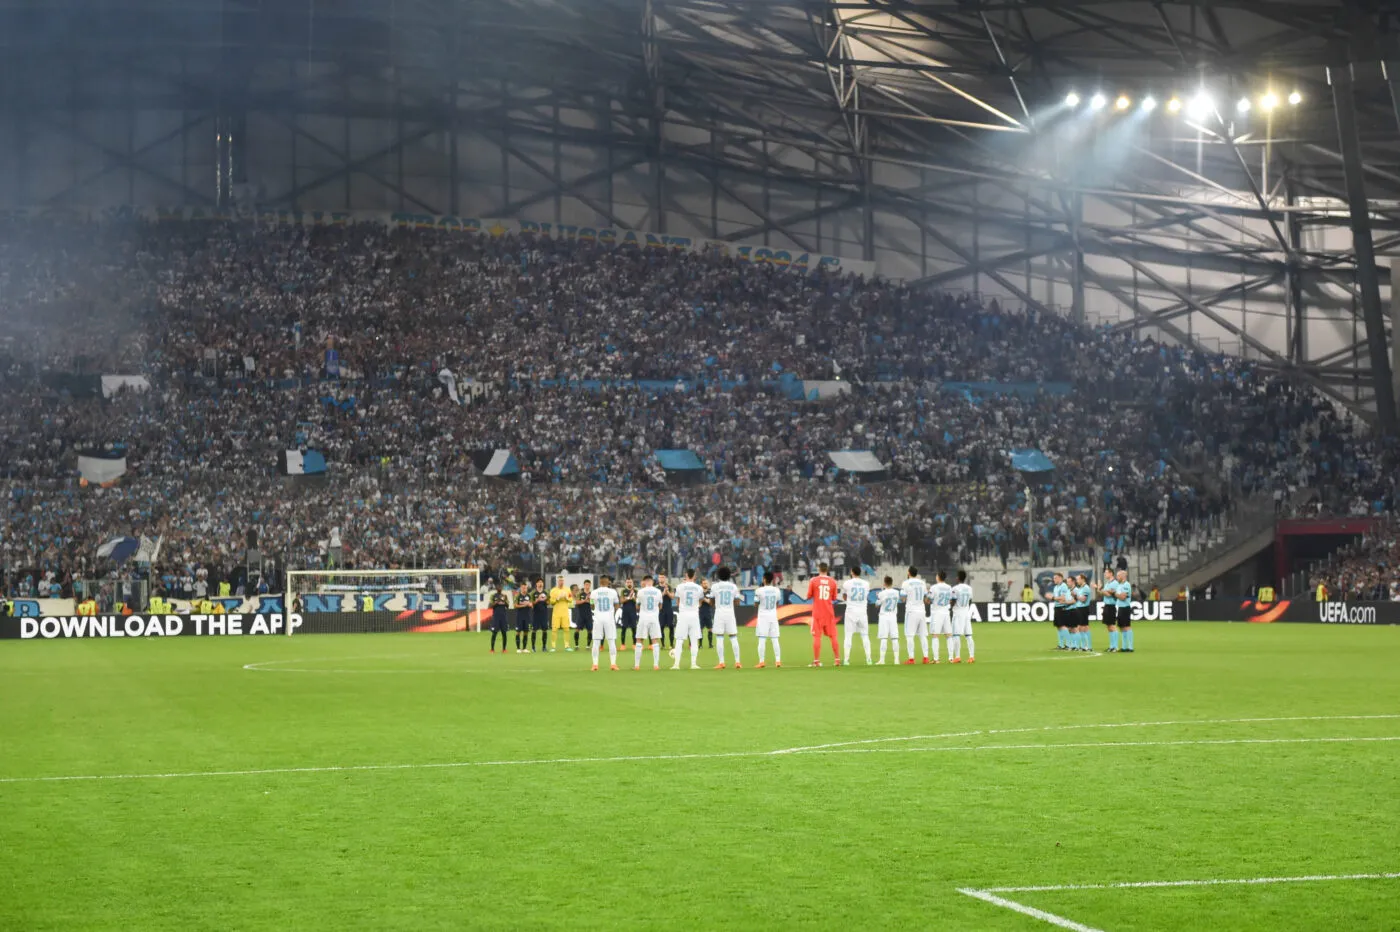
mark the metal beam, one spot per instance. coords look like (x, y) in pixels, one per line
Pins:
(1367, 278)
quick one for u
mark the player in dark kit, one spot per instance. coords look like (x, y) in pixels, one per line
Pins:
(524, 618)
(500, 617)
(707, 615)
(668, 611)
(628, 598)
(539, 617)
(584, 605)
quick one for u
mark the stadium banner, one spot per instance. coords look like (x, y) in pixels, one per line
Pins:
(112, 384)
(1300, 611)
(603, 235)
(61, 627)
(37, 608)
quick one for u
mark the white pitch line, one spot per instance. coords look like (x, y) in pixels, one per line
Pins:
(1045, 728)
(1042, 915)
(535, 762)
(1215, 882)
(1108, 744)
(265, 666)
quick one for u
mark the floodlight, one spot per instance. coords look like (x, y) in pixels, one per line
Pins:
(1268, 102)
(1243, 105)
(1295, 98)
(1071, 99)
(1200, 107)
(1149, 104)
(1098, 101)
(1123, 103)
(1174, 105)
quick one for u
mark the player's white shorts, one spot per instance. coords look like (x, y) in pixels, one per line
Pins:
(725, 623)
(767, 626)
(687, 627)
(857, 622)
(648, 628)
(962, 622)
(889, 626)
(604, 628)
(915, 625)
(942, 623)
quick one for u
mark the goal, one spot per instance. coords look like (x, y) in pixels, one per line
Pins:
(351, 601)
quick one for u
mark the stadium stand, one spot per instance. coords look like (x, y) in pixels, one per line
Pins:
(405, 355)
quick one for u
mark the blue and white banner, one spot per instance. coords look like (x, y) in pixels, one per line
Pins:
(498, 463)
(303, 463)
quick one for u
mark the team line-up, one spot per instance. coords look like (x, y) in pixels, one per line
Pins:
(930, 611)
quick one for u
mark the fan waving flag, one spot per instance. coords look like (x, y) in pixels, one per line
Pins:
(101, 467)
(498, 463)
(303, 463)
(1031, 461)
(119, 549)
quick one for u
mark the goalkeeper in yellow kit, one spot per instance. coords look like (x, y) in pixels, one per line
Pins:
(561, 603)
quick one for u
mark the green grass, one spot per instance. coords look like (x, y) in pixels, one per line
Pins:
(861, 836)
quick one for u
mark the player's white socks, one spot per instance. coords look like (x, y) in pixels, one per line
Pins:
(655, 654)
(734, 643)
(762, 649)
(695, 653)
(637, 645)
(777, 651)
(612, 652)
(719, 648)
(910, 639)
(936, 649)
(864, 639)
(953, 647)
(596, 645)
(971, 648)
(886, 644)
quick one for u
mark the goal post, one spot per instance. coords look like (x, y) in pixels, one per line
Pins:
(350, 601)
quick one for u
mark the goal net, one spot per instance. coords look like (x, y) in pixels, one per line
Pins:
(350, 601)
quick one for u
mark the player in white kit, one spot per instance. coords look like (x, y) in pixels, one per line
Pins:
(725, 595)
(689, 594)
(605, 605)
(648, 623)
(962, 620)
(941, 595)
(769, 597)
(855, 592)
(888, 601)
(915, 621)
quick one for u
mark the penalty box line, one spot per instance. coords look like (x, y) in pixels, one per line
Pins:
(990, 894)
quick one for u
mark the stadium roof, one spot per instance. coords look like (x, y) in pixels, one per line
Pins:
(835, 94)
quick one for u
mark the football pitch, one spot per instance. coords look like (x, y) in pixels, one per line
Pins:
(1223, 776)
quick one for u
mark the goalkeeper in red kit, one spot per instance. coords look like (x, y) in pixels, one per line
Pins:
(823, 591)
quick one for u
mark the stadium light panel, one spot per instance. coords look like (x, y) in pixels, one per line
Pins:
(1071, 99)
(1268, 102)
(1098, 101)
(1123, 103)
(1242, 105)
(1149, 104)
(1174, 105)
(1200, 107)
(1295, 98)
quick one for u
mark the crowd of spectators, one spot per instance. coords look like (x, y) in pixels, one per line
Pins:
(257, 339)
